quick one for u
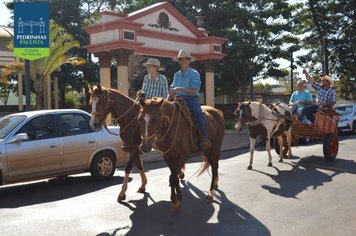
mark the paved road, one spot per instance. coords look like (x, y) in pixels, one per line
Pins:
(302, 196)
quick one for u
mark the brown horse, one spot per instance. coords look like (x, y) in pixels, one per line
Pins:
(165, 126)
(125, 112)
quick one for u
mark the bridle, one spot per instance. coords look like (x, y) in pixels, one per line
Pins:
(108, 102)
(156, 138)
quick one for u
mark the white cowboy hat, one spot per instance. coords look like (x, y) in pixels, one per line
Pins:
(153, 62)
(328, 78)
(184, 54)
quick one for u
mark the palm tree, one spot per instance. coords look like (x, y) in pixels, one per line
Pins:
(61, 43)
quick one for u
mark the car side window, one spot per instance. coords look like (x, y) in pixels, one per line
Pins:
(73, 124)
(41, 127)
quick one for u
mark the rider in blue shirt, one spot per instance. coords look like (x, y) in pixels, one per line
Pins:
(186, 83)
(299, 100)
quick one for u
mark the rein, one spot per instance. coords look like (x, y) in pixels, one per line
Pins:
(167, 131)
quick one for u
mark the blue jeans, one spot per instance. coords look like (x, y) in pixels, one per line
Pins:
(194, 106)
(309, 112)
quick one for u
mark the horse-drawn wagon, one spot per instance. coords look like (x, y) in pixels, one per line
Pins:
(324, 128)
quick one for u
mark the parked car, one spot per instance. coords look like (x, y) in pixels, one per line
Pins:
(50, 143)
(347, 121)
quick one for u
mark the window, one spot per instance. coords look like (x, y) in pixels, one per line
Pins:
(217, 48)
(73, 124)
(41, 127)
(129, 35)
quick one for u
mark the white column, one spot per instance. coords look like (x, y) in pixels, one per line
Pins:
(105, 77)
(123, 79)
(122, 60)
(209, 82)
(209, 88)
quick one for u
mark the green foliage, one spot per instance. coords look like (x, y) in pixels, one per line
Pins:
(74, 100)
(229, 124)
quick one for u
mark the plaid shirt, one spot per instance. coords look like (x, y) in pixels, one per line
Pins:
(324, 94)
(155, 88)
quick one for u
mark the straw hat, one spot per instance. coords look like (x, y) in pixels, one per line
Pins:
(328, 78)
(153, 62)
(184, 54)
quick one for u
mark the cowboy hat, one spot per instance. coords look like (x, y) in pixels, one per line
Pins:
(184, 54)
(153, 62)
(328, 78)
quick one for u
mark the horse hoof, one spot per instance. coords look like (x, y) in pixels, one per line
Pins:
(181, 175)
(280, 160)
(121, 198)
(270, 164)
(216, 187)
(249, 167)
(209, 198)
(176, 206)
(141, 190)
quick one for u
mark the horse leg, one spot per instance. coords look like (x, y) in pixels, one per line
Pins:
(214, 163)
(281, 147)
(268, 149)
(289, 140)
(181, 172)
(141, 169)
(128, 168)
(176, 195)
(252, 149)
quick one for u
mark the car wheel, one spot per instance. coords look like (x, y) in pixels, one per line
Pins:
(103, 166)
(354, 127)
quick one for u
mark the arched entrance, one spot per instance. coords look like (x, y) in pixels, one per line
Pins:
(158, 30)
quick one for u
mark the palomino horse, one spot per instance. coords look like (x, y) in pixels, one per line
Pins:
(164, 125)
(267, 123)
(125, 112)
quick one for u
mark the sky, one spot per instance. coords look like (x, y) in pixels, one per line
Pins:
(4, 13)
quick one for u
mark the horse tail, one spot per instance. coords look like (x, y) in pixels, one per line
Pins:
(204, 166)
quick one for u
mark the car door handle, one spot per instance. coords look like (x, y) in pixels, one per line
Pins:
(91, 141)
(52, 145)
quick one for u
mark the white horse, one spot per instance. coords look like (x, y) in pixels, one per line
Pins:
(267, 123)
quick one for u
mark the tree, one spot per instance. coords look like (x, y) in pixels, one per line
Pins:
(61, 43)
(335, 21)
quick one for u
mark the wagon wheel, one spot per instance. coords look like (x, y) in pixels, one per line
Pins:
(276, 147)
(330, 146)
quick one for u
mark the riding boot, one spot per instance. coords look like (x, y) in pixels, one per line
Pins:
(204, 142)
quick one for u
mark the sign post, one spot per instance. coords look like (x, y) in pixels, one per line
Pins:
(31, 36)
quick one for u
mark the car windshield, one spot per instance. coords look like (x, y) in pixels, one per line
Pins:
(344, 110)
(8, 123)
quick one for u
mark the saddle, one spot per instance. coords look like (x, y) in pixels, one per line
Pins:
(195, 135)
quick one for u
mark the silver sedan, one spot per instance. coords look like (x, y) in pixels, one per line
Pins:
(49, 143)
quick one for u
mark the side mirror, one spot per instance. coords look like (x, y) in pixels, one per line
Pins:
(18, 138)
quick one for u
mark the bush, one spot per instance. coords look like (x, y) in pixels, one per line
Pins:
(229, 124)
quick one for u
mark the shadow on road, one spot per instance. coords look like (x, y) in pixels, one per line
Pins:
(222, 217)
(51, 190)
(306, 173)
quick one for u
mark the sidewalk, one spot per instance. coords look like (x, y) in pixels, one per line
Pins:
(232, 140)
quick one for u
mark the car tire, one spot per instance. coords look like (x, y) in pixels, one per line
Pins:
(353, 130)
(103, 166)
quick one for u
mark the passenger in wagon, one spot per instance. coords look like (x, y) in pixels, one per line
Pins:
(325, 95)
(299, 100)
(186, 83)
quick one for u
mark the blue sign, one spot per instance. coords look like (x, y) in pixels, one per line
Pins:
(31, 30)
